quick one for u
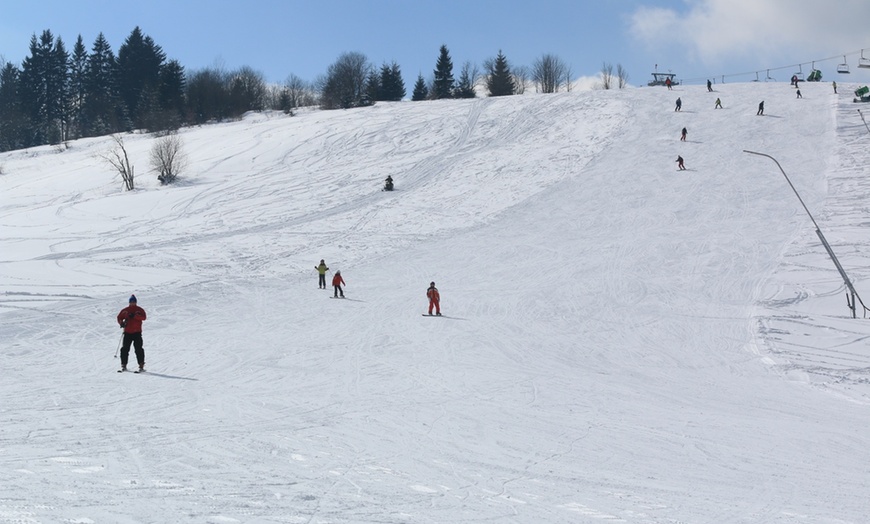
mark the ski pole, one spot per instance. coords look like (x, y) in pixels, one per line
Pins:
(119, 345)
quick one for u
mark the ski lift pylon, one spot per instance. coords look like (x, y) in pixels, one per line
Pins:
(843, 68)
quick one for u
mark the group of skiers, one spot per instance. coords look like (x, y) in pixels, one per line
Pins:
(338, 292)
(131, 317)
(679, 106)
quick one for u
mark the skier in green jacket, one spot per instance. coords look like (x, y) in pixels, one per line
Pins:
(322, 269)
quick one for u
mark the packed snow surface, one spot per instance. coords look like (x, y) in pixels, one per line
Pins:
(623, 341)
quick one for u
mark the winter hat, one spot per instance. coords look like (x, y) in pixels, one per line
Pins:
(132, 299)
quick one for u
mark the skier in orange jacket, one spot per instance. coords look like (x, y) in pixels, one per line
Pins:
(337, 281)
(434, 299)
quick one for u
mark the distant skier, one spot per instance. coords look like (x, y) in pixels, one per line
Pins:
(337, 281)
(130, 319)
(679, 105)
(794, 80)
(668, 83)
(388, 183)
(718, 104)
(434, 299)
(709, 86)
(680, 163)
(835, 87)
(799, 94)
(321, 270)
(760, 108)
(683, 135)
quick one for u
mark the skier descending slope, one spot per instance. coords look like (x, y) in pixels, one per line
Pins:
(130, 319)
(434, 299)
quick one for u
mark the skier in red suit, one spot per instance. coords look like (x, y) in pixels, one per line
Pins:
(130, 319)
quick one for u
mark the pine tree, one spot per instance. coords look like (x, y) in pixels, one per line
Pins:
(102, 112)
(421, 92)
(391, 83)
(374, 89)
(171, 94)
(13, 123)
(43, 84)
(465, 85)
(443, 85)
(77, 87)
(499, 81)
(139, 63)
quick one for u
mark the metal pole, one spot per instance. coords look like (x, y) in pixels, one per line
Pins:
(818, 231)
(865, 122)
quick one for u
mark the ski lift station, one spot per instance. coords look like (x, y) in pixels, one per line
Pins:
(661, 79)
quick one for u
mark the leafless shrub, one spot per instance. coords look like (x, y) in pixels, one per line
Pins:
(606, 75)
(621, 76)
(120, 162)
(168, 158)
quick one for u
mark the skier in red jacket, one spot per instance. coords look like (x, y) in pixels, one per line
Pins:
(130, 319)
(434, 299)
(337, 281)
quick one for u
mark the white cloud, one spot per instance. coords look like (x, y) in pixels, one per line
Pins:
(712, 32)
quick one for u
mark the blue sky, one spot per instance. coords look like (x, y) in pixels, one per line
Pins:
(697, 39)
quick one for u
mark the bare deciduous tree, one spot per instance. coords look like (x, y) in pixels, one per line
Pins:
(606, 75)
(299, 92)
(345, 82)
(621, 76)
(120, 162)
(521, 75)
(168, 158)
(550, 73)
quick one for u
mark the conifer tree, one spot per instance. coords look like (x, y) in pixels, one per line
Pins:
(102, 113)
(139, 63)
(77, 87)
(499, 81)
(392, 87)
(13, 123)
(43, 84)
(421, 92)
(443, 85)
(467, 78)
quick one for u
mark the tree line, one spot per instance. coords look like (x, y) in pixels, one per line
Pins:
(57, 95)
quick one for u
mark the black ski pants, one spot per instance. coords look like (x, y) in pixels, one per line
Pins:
(136, 340)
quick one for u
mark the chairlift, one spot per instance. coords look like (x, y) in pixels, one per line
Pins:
(800, 74)
(769, 78)
(863, 62)
(815, 74)
(843, 68)
(756, 77)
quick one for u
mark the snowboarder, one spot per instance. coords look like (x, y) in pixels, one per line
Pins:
(683, 135)
(321, 270)
(680, 163)
(760, 108)
(337, 281)
(718, 104)
(799, 94)
(835, 87)
(130, 319)
(679, 105)
(388, 183)
(434, 299)
(709, 86)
